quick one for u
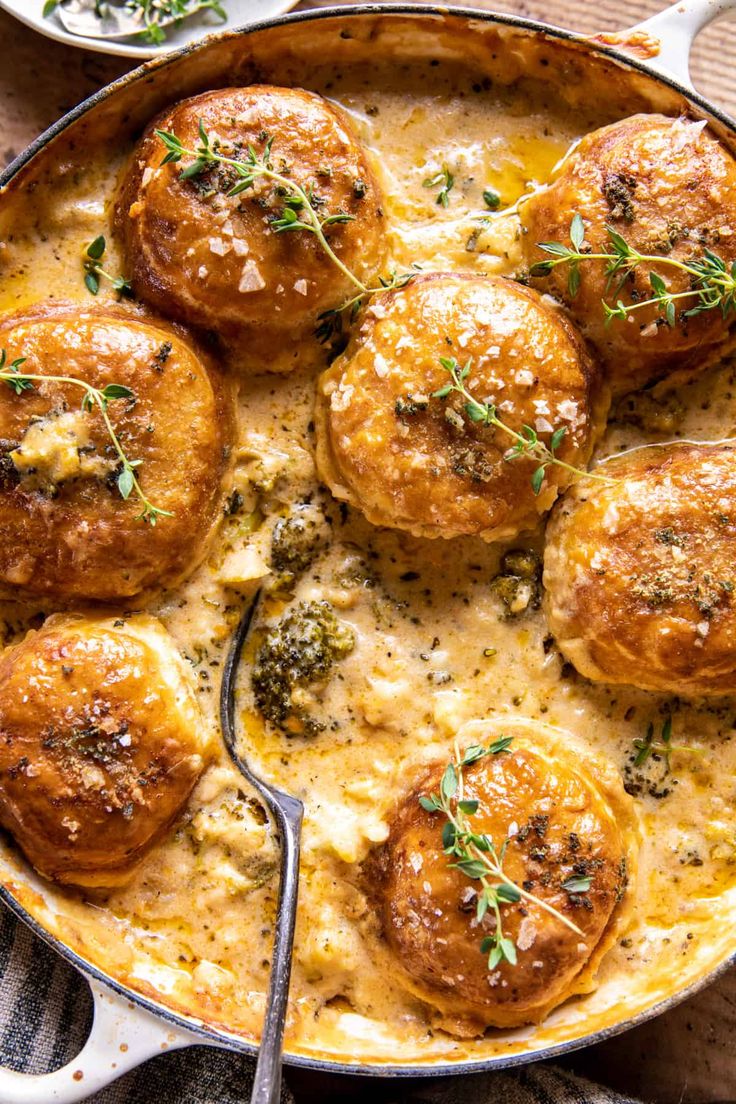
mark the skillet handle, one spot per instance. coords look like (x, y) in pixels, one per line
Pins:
(122, 1037)
(675, 29)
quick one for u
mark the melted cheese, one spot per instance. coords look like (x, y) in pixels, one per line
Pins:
(58, 448)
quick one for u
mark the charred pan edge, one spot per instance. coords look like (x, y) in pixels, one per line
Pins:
(209, 1034)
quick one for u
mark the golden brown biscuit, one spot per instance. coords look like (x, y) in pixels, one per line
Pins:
(67, 533)
(213, 260)
(640, 574)
(669, 188)
(566, 817)
(414, 462)
(101, 742)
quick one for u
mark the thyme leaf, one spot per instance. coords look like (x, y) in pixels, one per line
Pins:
(491, 198)
(93, 270)
(445, 181)
(526, 443)
(663, 748)
(477, 856)
(127, 480)
(300, 212)
(11, 373)
(712, 281)
(577, 884)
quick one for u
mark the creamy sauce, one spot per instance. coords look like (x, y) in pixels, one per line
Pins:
(435, 645)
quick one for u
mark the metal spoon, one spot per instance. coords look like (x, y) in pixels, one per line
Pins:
(109, 19)
(287, 812)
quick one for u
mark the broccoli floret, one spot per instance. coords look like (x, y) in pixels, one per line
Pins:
(522, 562)
(296, 541)
(519, 584)
(299, 650)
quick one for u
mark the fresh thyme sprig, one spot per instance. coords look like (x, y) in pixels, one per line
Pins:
(712, 281)
(299, 211)
(664, 749)
(445, 181)
(526, 443)
(153, 12)
(93, 270)
(477, 856)
(330, 322)
(127, 480)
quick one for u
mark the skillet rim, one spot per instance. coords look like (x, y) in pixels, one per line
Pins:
(311, 15)
(211, 1035)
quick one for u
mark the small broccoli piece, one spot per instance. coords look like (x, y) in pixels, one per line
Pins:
(519, 583)
(522, 562)
(298, 651)
(296, 541)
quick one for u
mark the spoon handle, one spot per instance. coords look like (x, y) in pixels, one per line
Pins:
(287, 812)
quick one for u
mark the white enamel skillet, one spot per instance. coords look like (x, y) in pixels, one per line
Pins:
(129, 1027)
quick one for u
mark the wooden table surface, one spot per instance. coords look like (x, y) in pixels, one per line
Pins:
(689, 1054)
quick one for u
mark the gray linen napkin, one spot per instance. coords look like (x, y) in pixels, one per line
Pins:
(46, 1010)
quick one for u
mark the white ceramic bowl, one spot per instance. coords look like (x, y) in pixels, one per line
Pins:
(240, 14)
